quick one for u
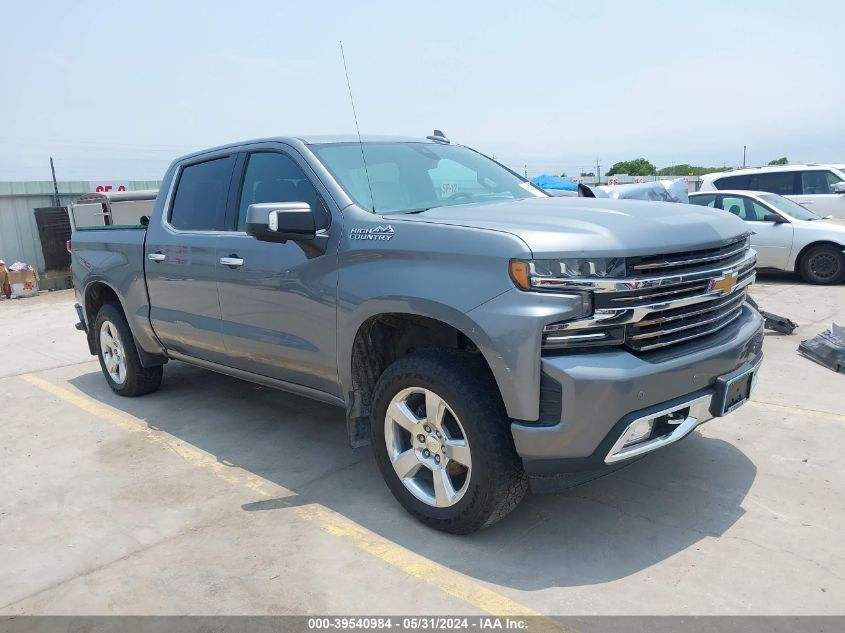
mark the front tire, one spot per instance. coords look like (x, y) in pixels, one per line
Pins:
(442, 441)
(823, 265)
(118, 355)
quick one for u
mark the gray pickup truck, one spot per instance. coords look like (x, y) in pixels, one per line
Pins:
(481, 335)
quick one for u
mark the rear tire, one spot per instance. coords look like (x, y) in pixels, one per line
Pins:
(477, 477)
(823, 265)
(118, 355)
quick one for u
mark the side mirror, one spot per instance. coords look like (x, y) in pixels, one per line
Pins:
(280, 221)
(839, 187)
(773, 217)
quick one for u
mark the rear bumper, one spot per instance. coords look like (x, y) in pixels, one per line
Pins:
(591, 399)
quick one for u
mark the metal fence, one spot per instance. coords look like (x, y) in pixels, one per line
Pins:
(19, 239)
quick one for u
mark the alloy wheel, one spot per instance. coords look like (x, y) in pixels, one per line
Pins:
(428, 447)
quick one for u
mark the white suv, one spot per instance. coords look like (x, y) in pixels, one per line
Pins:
(820, 188)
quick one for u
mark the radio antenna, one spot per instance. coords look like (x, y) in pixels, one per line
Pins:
(357, 129)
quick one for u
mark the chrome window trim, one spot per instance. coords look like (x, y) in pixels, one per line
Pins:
(169, 200)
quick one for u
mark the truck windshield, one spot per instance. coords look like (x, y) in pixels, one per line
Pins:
(410, 177)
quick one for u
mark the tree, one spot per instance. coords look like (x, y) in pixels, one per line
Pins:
(783, 160)
(685, 169)
(587, 174)
(636, 167)
(563, 175)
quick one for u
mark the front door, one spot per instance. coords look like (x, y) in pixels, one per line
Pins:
(817, 193)
(180, 261)
(772, 241)
(278, 301)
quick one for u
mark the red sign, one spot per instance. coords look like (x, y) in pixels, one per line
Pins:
(105, 187)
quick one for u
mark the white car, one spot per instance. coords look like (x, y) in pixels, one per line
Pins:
(786, 235)
(818, 187)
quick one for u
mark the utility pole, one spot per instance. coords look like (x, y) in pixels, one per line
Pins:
(55, 184)
(743, 156)
(598, 172)
(525, 170)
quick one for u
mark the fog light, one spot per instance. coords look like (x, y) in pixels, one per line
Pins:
(638, 432)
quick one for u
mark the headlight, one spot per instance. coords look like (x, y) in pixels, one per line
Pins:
(551, 274)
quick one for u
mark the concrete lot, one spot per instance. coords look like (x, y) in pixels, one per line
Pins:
(217, 496)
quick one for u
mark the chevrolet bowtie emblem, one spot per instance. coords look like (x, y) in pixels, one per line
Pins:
(724, 284)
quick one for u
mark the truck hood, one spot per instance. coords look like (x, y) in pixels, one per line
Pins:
(558, 227)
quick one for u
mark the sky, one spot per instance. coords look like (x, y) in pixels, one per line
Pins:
(116, 90)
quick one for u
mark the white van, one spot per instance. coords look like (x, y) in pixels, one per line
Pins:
(820, 188)
(112, 208)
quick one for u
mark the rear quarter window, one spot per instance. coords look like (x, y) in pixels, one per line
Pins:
(704, 201)
(732, 182)
(781, 183)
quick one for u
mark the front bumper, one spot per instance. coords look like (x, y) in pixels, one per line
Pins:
(594, 397)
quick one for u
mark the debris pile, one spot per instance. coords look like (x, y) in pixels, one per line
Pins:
(774, 321)
(828, 348)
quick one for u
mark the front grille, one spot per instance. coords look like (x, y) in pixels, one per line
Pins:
(688, 261)
(646, 296)
(685, 301)
(672, 291)
(667, 327)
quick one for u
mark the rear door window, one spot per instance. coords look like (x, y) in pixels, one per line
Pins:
(780, 182)
(201, 194)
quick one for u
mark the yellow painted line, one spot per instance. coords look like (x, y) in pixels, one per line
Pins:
(419, 567)
(413, 564)
(782, 408)
(230, 474)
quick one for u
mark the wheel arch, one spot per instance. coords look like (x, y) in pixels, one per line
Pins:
(97, 293)
(389, 331)
(808, 247)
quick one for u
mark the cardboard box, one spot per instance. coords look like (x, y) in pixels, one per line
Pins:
(24, 282)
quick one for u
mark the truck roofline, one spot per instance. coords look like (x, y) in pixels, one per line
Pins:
(310, 139)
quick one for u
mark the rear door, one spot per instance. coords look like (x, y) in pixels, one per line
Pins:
(278, 301)
(816, 193)
(181, 260)
(772, 241)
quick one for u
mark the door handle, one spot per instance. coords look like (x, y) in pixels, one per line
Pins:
(156, 257)
(231, 260)
(808, 202)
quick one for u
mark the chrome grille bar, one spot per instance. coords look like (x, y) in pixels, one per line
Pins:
(737, 300)
(691, 262)
(651, 313)
(714, 328)
(671, 262)
(685, 326)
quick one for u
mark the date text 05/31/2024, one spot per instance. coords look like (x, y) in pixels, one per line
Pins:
(418, 623)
